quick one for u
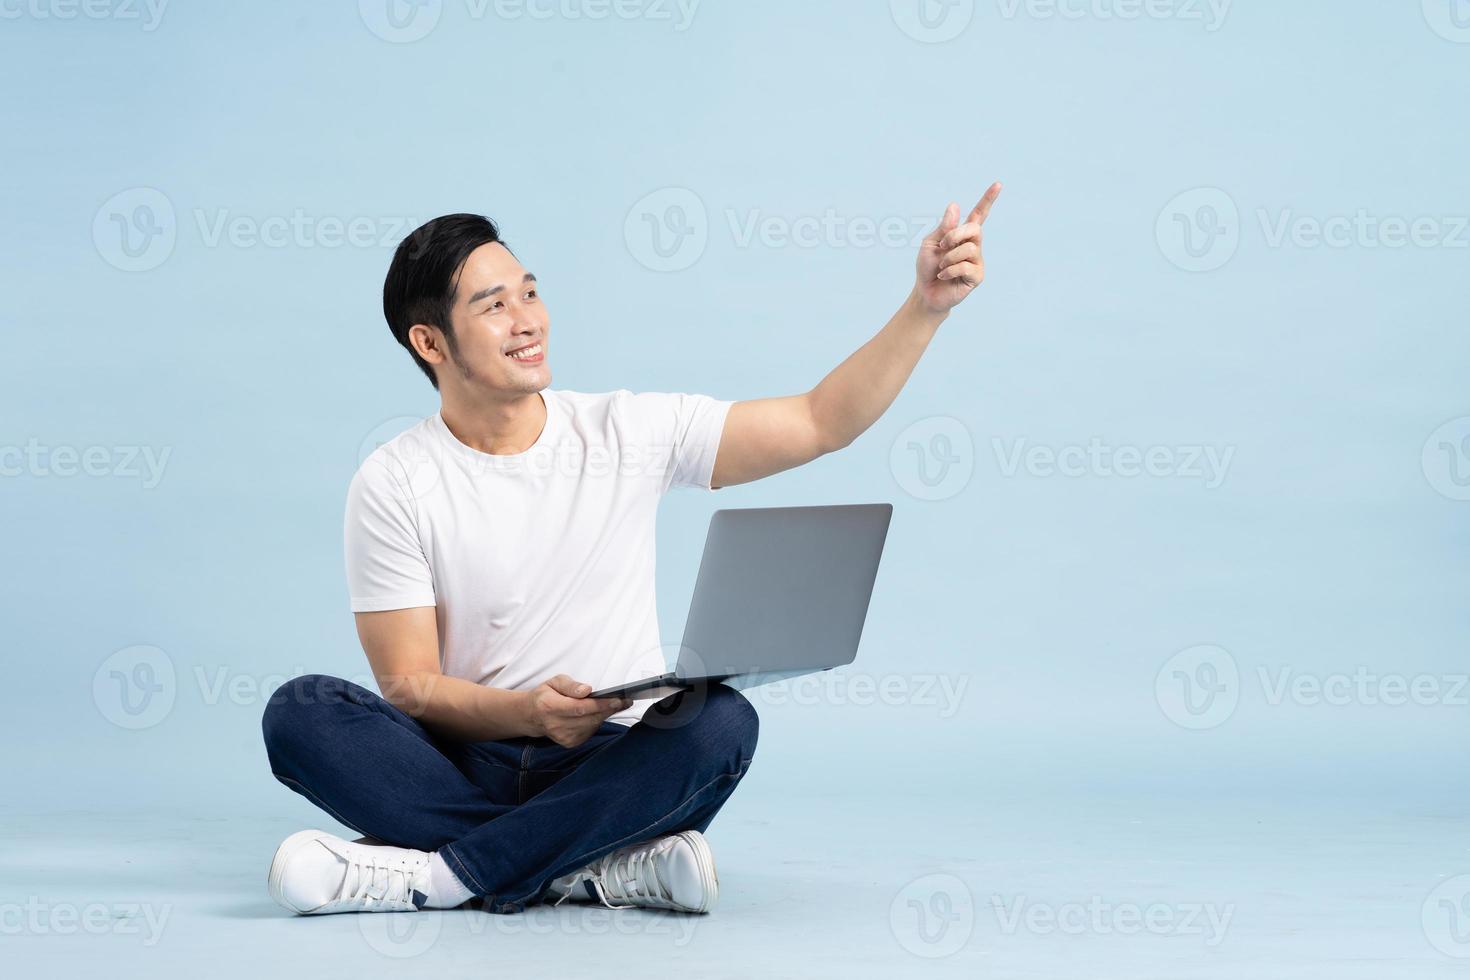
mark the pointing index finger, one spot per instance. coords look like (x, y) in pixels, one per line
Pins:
(982, 208)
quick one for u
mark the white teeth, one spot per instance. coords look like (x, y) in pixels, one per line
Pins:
(531, 351)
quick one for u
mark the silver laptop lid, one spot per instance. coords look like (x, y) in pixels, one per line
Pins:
(783, 588)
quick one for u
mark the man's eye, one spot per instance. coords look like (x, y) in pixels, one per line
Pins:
(531, 295)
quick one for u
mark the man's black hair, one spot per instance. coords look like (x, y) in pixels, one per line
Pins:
(424, 275)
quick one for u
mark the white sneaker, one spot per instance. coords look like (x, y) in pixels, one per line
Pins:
(676, 872)
(314, 873)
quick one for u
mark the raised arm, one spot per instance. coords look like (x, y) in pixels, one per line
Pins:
(767, 435)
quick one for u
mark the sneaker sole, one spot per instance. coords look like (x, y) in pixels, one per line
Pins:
(706, 860)
(288, 847)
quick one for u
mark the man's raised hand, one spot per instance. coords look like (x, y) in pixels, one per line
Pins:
(950, 263)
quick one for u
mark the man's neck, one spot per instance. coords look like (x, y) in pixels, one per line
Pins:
(499, 426)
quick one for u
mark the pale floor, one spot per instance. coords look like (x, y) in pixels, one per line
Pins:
(1008, 888)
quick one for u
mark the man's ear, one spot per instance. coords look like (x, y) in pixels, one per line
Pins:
(429, 342)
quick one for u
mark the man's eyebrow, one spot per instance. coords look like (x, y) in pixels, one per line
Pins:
(489, 291)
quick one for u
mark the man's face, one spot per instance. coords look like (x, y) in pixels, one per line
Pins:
(498, 320)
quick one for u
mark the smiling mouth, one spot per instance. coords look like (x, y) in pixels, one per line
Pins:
(531, 353)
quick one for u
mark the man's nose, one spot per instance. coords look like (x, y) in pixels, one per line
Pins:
(528, 320)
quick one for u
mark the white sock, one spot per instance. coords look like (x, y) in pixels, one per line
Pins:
(446, 891)
(562, 885)
(574, 886)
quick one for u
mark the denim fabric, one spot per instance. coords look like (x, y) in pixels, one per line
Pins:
(508, 816)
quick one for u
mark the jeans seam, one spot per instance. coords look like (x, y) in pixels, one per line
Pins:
(461, 872)
(306, 792)
(465, 763)
(522, 778)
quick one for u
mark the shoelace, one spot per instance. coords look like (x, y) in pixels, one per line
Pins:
(631, 875)
(377, 882)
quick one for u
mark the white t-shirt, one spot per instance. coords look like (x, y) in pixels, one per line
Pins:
(538, 563)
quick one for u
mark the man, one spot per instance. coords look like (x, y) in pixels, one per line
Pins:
(500, 558)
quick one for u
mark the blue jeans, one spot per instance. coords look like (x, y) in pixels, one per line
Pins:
(508, 817)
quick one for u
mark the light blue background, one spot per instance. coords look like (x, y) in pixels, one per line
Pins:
(1334, 541)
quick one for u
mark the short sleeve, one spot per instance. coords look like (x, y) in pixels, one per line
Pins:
(685, 430)
(386, 565)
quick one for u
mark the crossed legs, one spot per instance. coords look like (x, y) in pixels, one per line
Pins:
(508, 817)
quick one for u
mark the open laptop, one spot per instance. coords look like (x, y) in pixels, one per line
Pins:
(781, 591)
